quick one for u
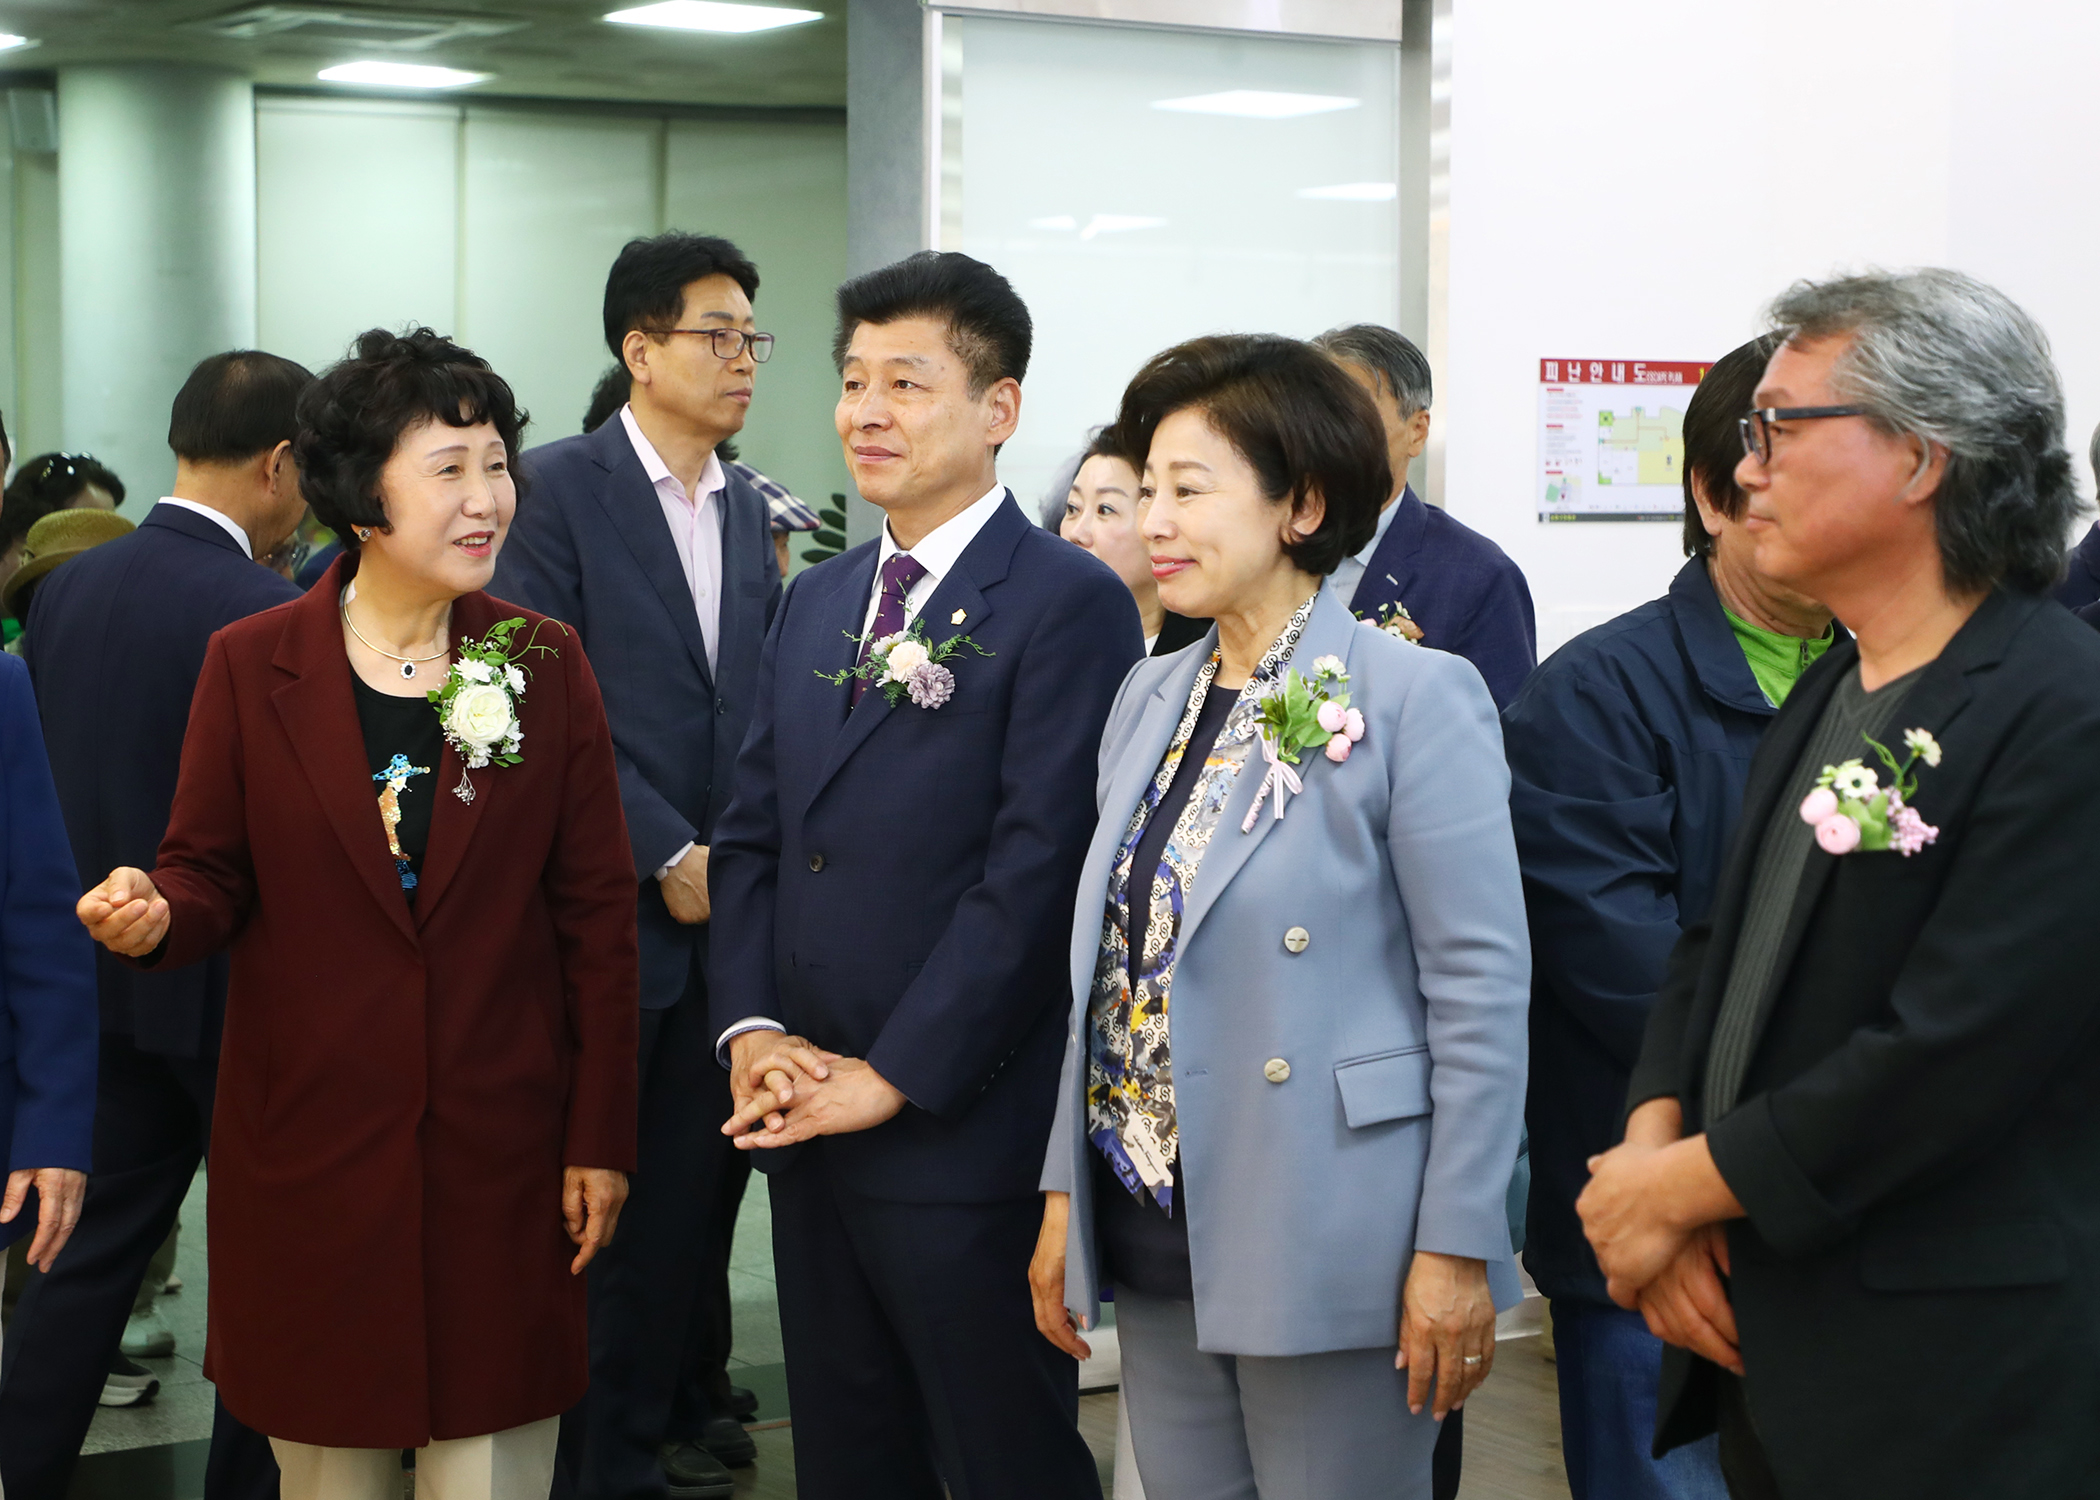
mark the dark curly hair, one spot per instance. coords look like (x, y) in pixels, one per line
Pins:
(52, 482)
(352, 418)
(1303, 425)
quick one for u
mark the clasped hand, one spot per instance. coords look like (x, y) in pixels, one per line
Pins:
(787, 1090)
(125, 914)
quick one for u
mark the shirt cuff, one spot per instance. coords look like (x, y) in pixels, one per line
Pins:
(749, 1023)
(666, 867)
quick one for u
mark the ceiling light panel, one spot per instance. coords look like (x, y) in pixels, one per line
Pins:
(9, 42)
(399, 75)
(713, 15)
(353, 27)
(1257, 104)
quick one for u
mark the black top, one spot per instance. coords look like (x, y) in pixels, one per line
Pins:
(406, 728)
(1176, 631)
(1141, 1246)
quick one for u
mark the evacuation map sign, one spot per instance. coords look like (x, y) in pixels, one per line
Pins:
(1611, 438)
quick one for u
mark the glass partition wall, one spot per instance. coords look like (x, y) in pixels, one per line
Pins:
(1144, 185)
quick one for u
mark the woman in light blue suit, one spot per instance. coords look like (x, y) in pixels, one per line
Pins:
(1296, 1189)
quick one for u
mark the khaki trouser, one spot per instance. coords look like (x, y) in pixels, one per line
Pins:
(517, 1464)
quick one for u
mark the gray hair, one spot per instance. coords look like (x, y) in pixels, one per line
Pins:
(1941, 357)
(1392, 357)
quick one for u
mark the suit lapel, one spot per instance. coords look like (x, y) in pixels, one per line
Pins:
(630, 503)
(1942, 691)
(1137, 762)
(1331, 631)
(983, 563)
(743, 513)
(452, 822)
(319, 715)
(1391, 571)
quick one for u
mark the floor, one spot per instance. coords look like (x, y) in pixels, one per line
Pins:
(156, 1452)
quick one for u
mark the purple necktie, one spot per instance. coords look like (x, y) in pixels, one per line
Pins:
(898, 575)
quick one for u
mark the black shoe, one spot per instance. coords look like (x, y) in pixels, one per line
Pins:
(726, 1439)
(128, 1384)
(743, 1404)
(692, 1473)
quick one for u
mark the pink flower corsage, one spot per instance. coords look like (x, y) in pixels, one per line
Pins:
(1850, 809)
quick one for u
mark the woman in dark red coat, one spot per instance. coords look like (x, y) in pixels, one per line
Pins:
(426, 1083)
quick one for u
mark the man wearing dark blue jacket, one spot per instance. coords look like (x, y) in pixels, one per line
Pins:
(116, 641)
(662, 559)
(894, 885)
(1424, 574)
(1628, 751)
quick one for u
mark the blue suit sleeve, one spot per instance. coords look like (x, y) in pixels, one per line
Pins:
(1593, 814)
(743, 864)
(956, 1026)
(540, 569)
(49, 961)
(1500, 634)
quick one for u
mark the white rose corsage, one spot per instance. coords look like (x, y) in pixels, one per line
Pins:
(908, 665)
(478, 701)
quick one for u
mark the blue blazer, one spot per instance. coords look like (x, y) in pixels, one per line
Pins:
(47, 966)
(1461, 588)
(1402, 1021)
(115, 642)
(590, 547)
(894, 882)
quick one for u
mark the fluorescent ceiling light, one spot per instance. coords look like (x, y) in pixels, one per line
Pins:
(1257, 104)
(1354, 192)
(9, 41)
(395, 75)
(1055, 221)
(713, 15)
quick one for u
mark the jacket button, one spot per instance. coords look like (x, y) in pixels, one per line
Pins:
(816, 863)
(1276, 1070)
(1296, 939)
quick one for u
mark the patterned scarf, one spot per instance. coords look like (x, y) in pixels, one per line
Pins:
(1130, 1075)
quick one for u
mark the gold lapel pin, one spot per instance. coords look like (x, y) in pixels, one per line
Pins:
(956, 618)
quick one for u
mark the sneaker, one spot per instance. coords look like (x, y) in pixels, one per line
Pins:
(128, 1384)
(148, 1336)
(691, 1473)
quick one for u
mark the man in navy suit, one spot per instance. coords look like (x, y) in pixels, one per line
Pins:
(1460, 591)
(662, 558)
(894, 885)
(116, 640)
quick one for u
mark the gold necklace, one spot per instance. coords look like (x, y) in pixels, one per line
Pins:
(408, 663)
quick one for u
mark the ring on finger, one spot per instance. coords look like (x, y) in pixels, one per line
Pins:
(1470, 1360)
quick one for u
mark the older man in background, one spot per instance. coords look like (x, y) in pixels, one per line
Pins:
(1423, 573)
(1628, 749)
(115, 645)
(1861, 1176)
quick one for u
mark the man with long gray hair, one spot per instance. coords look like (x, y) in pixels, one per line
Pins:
(1861, 1175)
(1425, 574)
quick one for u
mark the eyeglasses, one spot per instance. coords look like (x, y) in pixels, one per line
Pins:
(730, 342)
(1757, 427)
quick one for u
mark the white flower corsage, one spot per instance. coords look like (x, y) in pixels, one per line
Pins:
(478, 701)
(1850, 809)
(1395, 621)
(908, 665)
(1298, 715)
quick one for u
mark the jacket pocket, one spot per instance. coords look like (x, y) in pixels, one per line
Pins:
(2009, 1252)
(1385, 1086)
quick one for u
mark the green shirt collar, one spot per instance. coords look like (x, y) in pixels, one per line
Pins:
(1776, 661)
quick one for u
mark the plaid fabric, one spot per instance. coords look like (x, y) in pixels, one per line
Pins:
(788, 513)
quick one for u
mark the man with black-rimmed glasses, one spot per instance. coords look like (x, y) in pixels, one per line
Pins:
(661, 557)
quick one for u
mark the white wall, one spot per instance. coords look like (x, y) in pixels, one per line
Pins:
(497, 225)
(1638, 178)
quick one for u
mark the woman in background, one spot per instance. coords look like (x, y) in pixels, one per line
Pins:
(1101, 515)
